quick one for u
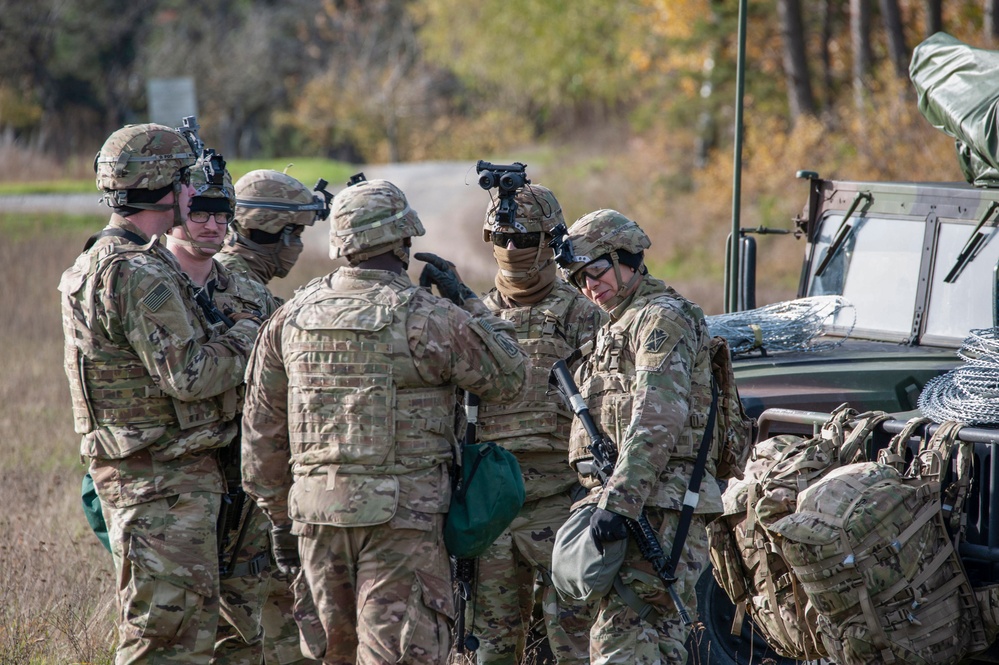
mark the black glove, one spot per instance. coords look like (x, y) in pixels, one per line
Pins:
(607, 526)
(442, 274)
(284, 546)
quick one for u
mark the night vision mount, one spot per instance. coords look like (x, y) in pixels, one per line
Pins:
(507, 178)
(562, 247)
(213, 163)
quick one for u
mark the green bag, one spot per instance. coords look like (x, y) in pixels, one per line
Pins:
(92, 511)
(487, 498)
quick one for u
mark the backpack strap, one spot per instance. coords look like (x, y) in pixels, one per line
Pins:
(894, 454)
(932, 465)
(694, 487)
(864, 424)
(116, 232)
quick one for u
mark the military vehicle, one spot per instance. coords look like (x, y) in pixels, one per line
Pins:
(919, 262)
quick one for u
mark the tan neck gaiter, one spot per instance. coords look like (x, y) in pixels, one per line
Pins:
(519, 276)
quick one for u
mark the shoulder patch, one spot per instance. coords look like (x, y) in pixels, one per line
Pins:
(155, 298)
(655, 340)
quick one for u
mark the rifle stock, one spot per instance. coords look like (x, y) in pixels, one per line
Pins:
(604, 459)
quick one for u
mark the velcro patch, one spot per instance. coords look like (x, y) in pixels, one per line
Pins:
(654, 342)
(155, 298)
(507, 344)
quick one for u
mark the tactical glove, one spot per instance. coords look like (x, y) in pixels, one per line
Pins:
(284, 546)
(254, 315)
(607, 526)
(442, 274)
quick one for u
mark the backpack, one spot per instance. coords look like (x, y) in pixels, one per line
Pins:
(734, 430)
(872, 554)
(747, 562)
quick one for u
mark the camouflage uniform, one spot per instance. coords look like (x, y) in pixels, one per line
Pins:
(555, 321)
(348, 432)
(243, 594)
(647, 386)
(267, 204)
(153, 386)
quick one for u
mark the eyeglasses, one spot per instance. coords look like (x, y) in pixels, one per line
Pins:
(594, 271)
(519, 240)
(201, 217)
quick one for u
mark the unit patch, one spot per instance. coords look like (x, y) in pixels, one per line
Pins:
(654, 342)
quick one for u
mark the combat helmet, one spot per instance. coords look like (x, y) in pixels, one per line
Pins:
(148, 157)
(370, 218)
(537, 211)
(603, 234)
(268, 201)
(211, 180)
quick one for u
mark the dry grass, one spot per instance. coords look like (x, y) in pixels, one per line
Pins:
(56, 580)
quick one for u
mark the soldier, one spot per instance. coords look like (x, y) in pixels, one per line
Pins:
(272, 210)
(242, 531)
(265, 240)
(348, 430)
(647, 386)
(153, 386)
(551, 319)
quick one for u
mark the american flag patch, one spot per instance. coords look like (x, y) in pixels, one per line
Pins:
(155, 298)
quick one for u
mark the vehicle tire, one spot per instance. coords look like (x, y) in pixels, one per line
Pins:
(711, 641)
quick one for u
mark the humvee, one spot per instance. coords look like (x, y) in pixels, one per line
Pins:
(919, 262)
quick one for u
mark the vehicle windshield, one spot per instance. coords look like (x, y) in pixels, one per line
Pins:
(877, 269)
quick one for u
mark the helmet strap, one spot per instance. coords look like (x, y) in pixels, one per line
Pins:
(623, 288)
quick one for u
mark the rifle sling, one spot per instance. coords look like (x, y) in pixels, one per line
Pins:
(644, 610)
(116, 232)
(687, 514)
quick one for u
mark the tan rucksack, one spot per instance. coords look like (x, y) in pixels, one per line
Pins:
(872, 555)
(747, 563)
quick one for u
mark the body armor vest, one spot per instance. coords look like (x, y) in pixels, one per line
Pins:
(355, 398)
(607, 384)
(109, 385)
(537, 422)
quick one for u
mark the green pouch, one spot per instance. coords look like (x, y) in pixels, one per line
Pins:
(92, 511)
(488, 497)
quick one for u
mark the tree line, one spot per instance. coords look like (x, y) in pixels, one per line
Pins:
(397, 80)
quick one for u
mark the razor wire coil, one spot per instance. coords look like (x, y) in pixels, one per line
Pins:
(969, 393)
(791, 325)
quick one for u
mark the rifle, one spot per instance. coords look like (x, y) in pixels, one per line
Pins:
(604, 459)
(464, 569)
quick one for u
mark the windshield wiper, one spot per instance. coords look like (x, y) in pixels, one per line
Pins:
(842, 233)
(976, 243)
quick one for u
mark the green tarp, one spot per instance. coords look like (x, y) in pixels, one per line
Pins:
(958, 87)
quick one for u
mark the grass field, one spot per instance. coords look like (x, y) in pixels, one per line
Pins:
(56, 580)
